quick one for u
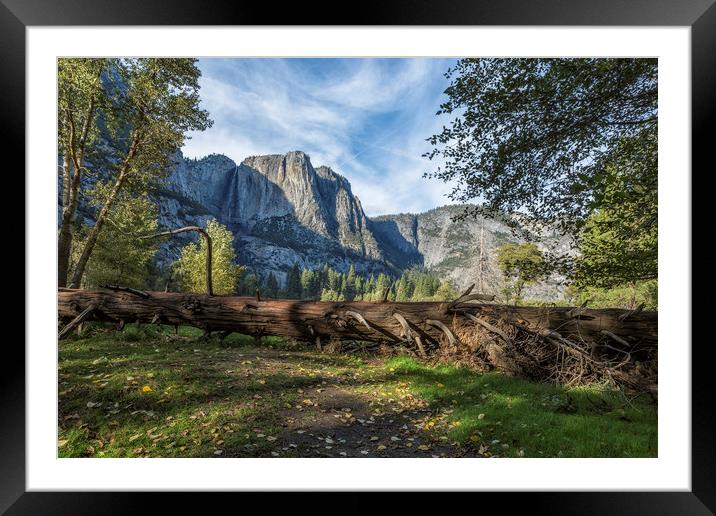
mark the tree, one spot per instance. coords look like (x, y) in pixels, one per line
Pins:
(120, 258)
(293, 283)
(80, 95)
(271, 289)
(349, 289)
(521, 265)
(190, 269)
(619, 243)
(536, 136)
(248, 282)
(382, 285)
(308, 284)
(401, 289)
(152, 104)
(445, 292)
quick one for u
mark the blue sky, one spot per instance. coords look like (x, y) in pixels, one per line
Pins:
(365, 118)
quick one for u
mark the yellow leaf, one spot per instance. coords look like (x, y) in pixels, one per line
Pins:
(440, 385)
(61, 443)
(146, 388)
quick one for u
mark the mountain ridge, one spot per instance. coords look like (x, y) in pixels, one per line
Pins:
(283, 210)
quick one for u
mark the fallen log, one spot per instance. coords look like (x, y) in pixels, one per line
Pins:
(358, 320)
(557, 344)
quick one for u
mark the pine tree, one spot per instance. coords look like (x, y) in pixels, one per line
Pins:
(308, 284)
(401, 290)
(349, 289)
(271, 288)
(293, 283)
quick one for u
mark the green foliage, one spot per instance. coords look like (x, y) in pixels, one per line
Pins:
(248, 282)
(81, 94)
(294, 288)
(190, 269)
(120, 258)
(327, 284)
(157, 101)
(569, 142)
(521, 265)
(142, 108)
(619, 243)
(510, 417)
(271, 289)
(628, 296)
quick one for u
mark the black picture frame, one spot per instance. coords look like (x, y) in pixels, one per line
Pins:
(700, 15)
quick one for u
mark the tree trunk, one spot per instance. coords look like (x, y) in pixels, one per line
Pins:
(69, 207)
(102, 216)
(360, 320)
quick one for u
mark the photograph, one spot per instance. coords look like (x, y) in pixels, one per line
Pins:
(356, 257)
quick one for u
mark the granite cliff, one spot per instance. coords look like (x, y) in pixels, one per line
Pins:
(283, 210)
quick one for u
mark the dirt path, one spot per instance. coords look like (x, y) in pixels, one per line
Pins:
(346, 416)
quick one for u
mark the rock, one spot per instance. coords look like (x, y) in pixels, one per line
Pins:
(283, 211)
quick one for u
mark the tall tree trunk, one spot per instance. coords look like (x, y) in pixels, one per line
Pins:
(72, 165)
(103, 213)
(480, 264)
(64, 239)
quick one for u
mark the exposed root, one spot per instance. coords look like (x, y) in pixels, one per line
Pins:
(547, 356)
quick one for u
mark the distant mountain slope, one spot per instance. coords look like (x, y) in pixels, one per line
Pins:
(452, 248)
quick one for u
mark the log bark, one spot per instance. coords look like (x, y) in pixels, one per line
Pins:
(366, 321)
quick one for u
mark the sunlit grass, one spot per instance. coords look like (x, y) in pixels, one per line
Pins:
(513, 417)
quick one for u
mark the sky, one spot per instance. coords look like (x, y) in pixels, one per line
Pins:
(367, 119)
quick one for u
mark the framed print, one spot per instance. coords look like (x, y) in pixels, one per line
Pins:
(419, 251)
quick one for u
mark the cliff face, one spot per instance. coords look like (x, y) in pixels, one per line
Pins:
(283, 211)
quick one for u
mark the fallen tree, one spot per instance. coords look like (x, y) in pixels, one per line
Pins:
(585, 345)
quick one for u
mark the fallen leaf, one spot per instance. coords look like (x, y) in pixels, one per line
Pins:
(146, 388)
(61, 443)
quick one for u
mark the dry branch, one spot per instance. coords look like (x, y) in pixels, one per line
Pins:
(76, 321)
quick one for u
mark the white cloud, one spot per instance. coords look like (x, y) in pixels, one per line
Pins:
(367, 119)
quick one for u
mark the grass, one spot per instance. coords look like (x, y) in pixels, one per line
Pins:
(516, 418)
(145, 392)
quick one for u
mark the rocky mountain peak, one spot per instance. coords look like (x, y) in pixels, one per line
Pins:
(283, 210)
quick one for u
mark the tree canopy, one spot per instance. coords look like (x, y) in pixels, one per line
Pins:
(521, 265)
(121, 122)
(567, 142)
(191, 266)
